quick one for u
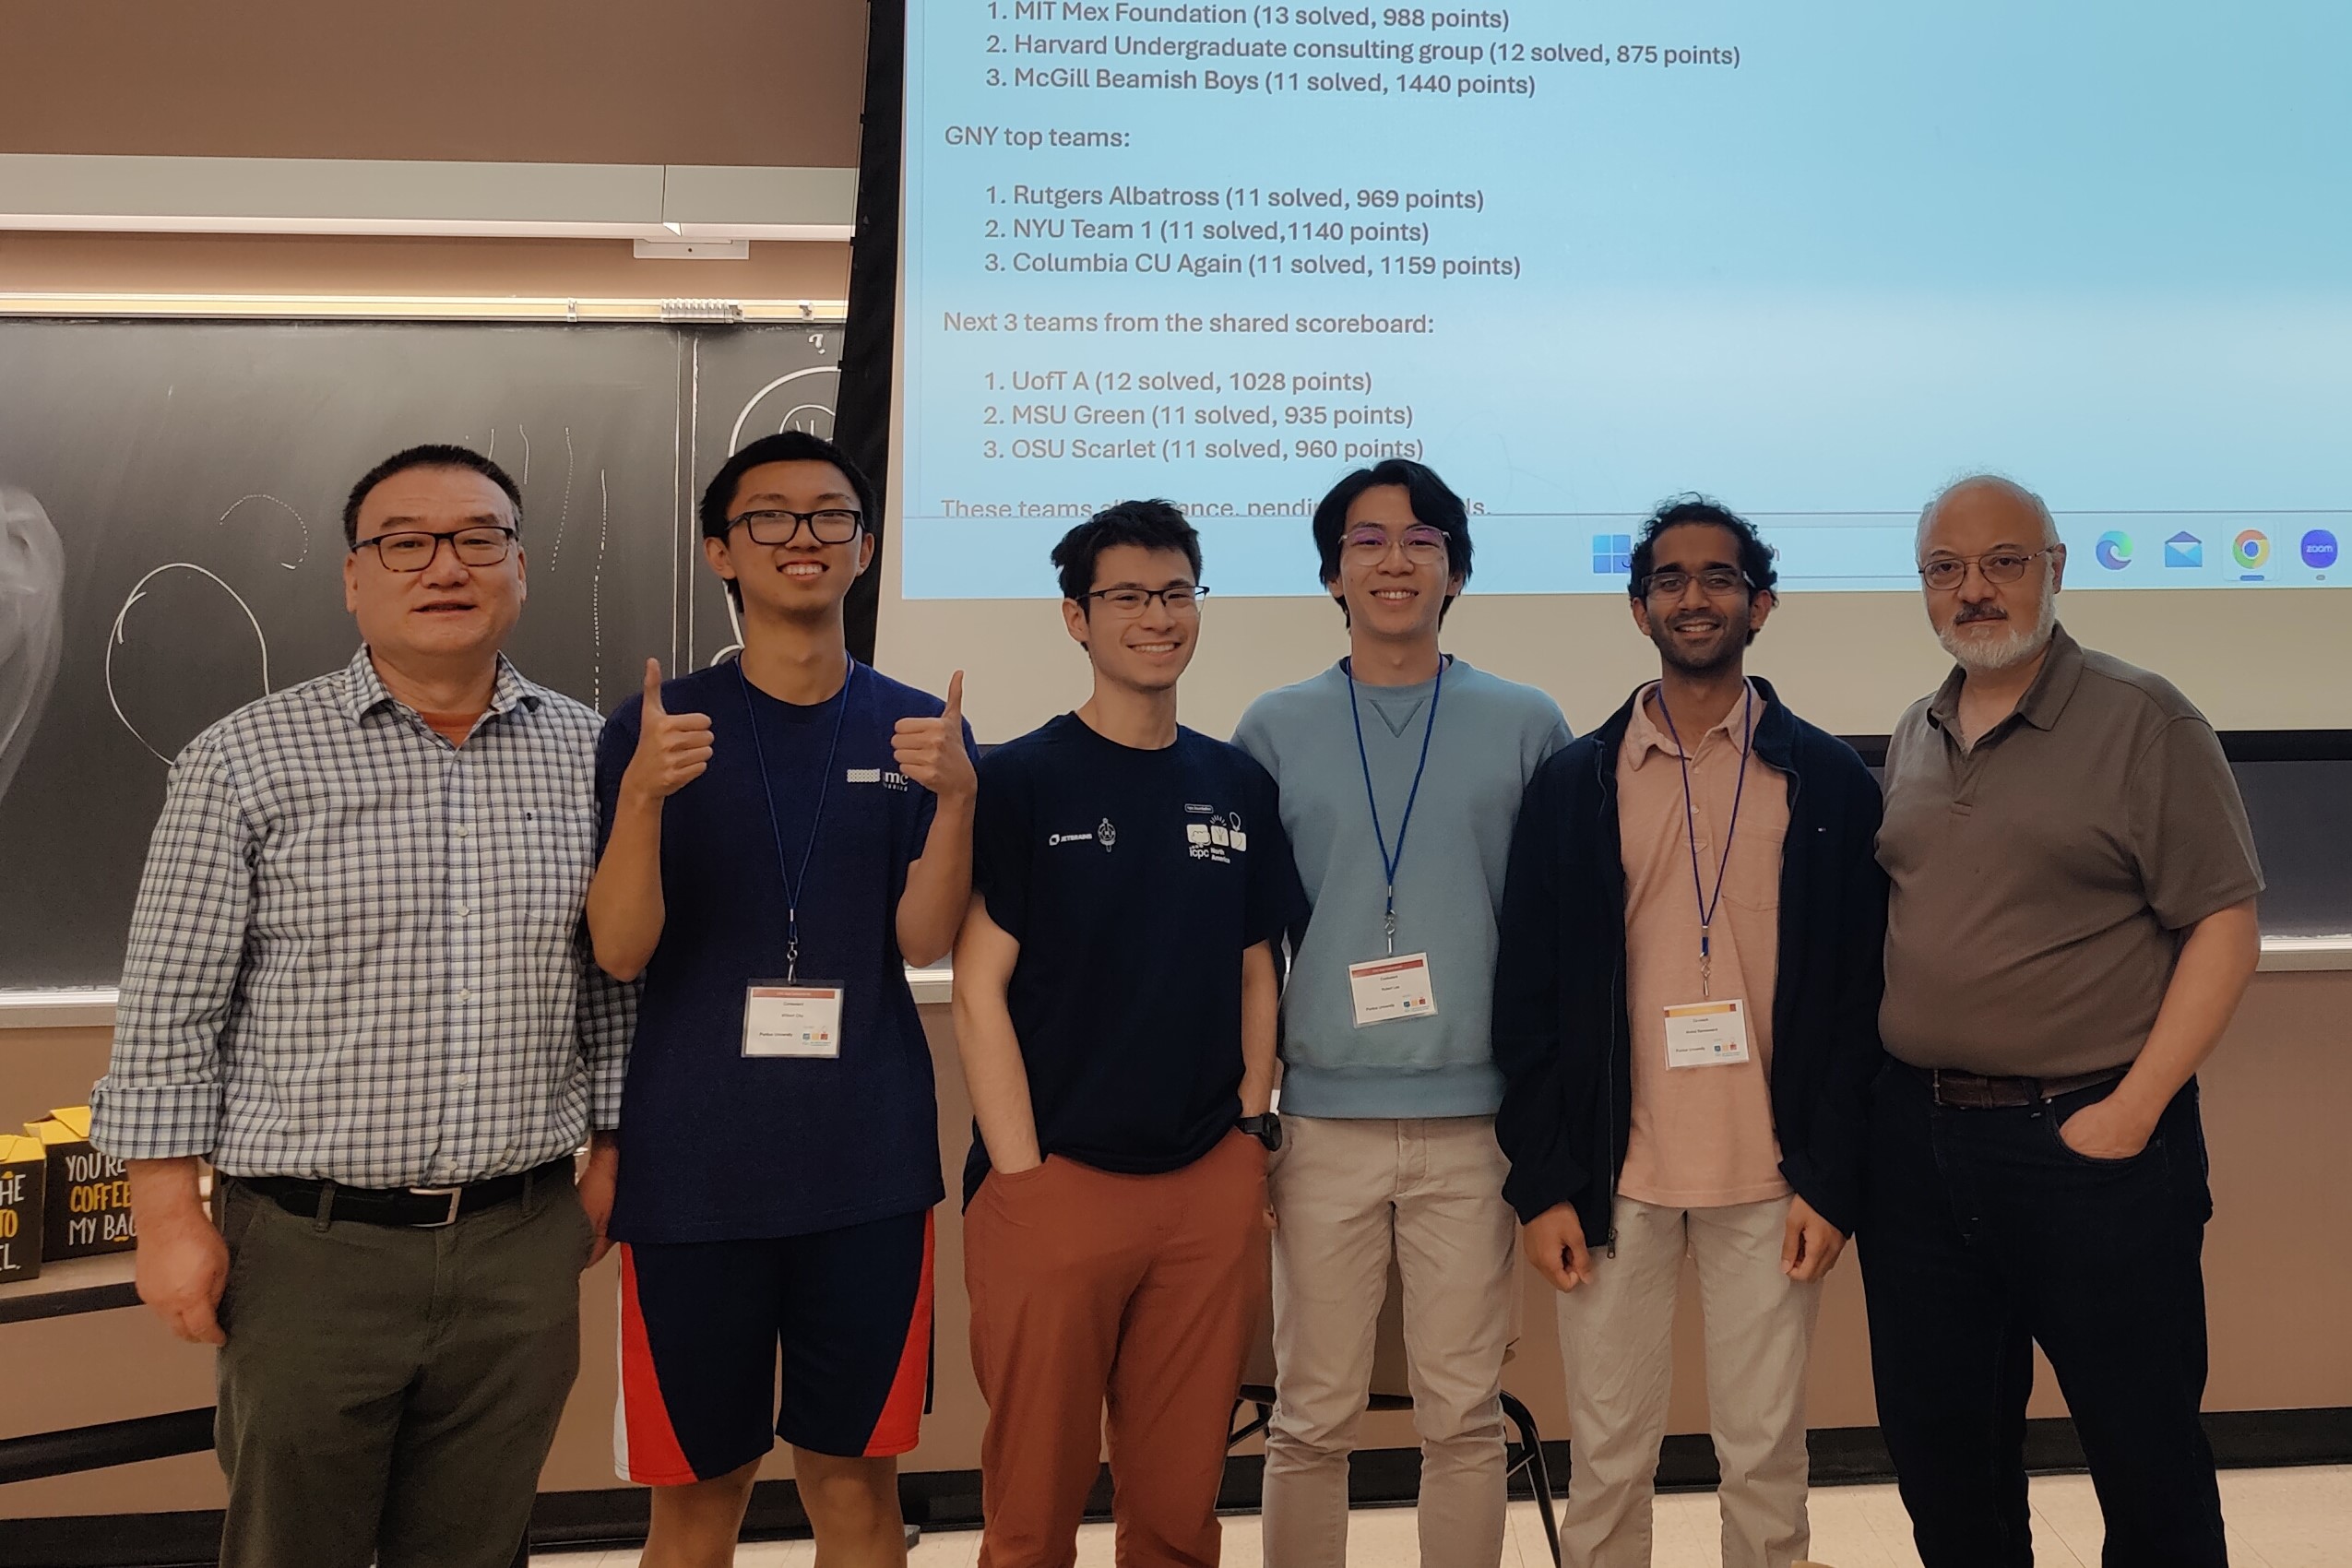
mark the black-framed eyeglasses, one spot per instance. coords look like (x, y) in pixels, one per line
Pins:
(1182, 598)
(1720, 582)
(826, 525)
(1949, 572)
(412, 550)
(1422, 543)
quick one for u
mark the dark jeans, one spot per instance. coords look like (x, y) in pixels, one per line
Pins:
(1984, 1233)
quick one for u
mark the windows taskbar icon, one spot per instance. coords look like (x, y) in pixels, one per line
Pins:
(2185, 550)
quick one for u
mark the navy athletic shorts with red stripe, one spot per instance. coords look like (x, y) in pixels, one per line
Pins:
(702, 1324)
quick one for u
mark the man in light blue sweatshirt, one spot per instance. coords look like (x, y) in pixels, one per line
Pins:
(1401, 771)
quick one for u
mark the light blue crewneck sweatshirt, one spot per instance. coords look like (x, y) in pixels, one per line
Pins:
(1490, 734)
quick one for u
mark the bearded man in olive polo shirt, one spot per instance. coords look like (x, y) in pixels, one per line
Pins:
(2069, 927)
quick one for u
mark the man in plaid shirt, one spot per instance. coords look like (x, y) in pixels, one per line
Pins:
(358, 983)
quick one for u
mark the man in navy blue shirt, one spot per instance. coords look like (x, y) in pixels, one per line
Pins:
(784, 833)
(1115, 1002)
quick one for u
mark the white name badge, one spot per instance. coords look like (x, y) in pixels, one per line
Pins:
(1707, 1034)
(1385, 989)
(791, 1020)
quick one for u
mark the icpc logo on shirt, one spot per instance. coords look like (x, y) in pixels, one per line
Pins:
(1212, 840)
(2252, 549)
(2113, 550)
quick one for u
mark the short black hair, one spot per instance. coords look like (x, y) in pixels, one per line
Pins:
(1756, 558)
(1155, 525)
(433, 454)
(1434, 506)
(785, 447)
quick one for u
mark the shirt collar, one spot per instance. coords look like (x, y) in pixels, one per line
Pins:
(1644, 734)
(364, 690)
(2053, 686)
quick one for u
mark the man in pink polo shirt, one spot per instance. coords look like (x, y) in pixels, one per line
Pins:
(1685, 1014)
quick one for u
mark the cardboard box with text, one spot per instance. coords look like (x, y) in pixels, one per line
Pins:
(24, 1168)
(88, 1208)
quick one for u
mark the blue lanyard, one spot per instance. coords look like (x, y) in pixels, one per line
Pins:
(794, 885)
(1388, 862)
(1690, 822)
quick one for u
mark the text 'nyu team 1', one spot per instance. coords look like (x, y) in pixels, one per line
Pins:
(415, 931)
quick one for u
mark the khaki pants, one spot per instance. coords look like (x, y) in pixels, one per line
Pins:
(1347, 1193)
(1138, 1293)
(1616, 1338)
(387, 1394)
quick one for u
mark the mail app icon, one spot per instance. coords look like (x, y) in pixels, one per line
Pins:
(2184, 548)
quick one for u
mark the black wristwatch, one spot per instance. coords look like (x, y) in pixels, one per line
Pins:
(1266, 1129)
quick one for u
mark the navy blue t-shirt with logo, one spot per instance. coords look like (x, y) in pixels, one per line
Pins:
(1133, 880)
(715, 1145)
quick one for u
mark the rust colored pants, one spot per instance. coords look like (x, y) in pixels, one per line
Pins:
(1139, 1294)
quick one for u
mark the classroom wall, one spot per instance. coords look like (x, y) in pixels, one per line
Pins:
(363, 265)
(742, 82)
(558, 81)
(2276, 1282)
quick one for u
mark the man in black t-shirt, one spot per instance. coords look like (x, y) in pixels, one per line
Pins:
(1115, 1003)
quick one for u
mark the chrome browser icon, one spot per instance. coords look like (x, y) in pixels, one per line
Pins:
(2114, 549)
(2252, 549)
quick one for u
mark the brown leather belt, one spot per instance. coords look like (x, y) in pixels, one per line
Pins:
(1971, 1091)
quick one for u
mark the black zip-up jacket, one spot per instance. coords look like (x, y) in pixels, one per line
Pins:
(1560, 1033)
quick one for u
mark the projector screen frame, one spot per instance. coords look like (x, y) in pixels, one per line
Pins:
(867, 420)
(862, 415)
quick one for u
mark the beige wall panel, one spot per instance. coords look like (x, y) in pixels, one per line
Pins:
(2276, 1282)
(558, 81)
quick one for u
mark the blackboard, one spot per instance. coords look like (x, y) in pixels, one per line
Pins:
(193, 475)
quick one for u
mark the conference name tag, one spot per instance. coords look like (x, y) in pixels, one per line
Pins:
(1706, 1033)
(1385, 989)
(791, 1020)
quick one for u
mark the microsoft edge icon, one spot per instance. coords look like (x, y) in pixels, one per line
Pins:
(2184, 548)
(2114, 549)
(2319, 550)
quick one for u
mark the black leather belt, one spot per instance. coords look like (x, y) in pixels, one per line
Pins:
(419, 1209)
(1969, 1091)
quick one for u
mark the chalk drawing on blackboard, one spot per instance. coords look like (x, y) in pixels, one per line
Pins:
(115, 640)
(32, 622)
(299, 521)
(596, 593)
(817, 418)
(491, 452)
(734, 619)
(564, 514)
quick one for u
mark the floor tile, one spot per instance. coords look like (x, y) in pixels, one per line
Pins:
(2291, 1518)
(2279, 1518)
(1846, 1533)
(946, 1549)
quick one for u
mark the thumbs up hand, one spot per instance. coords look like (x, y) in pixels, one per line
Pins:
(931, 751)
(673, 748)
